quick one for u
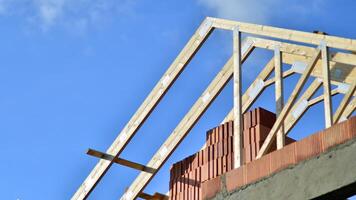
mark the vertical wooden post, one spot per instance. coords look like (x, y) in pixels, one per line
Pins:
(279, 93)
(237, 98)
(326, 84)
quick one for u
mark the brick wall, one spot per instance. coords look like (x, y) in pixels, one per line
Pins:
(275, 161)
(187, 176)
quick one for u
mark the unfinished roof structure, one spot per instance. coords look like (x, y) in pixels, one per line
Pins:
(327, 60)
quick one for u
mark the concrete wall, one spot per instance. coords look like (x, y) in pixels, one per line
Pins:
(331, 175)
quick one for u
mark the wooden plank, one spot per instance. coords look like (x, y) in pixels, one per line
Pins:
(285, 74)
(238, 124)
(289, 104)
(326, 84)
(278, 71)
(340, 58)
(146, 108)
(321, 97)
(286, 34)
(344, 102)
(342, 66)
(120, 161)
(348, 110)
(254, 90)
(301, 106)
(185, 125)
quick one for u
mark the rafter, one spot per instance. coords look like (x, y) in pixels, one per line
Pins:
(185, 125)
(146, 108)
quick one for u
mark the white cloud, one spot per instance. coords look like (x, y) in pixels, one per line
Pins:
(49, 11)
(262, 12)
(243, 10)
(77, 15)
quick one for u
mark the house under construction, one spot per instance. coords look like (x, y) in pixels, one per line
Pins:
(249, 155)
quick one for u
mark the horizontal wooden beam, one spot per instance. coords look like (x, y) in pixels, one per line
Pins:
(286, 34)
(120, 161)
(338, 58)
(285, 75)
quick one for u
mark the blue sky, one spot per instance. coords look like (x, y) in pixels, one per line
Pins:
(72, 73)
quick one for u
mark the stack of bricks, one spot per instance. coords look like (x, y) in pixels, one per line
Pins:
(216, 158)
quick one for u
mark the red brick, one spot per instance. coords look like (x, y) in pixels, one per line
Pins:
(173, 189)
(206, 155)
(212, 136)
(178, 183)
(203, 158)
(198, 174)
(254, 117)
(215, 172)
(215, 151)
(247, 154)
(208, 137)
(336, 134)
(249, 120)
(252, 135)
(211, 153)
(180, 196)
(195, 161)
(226, 146)
(211, 169)
(231, 128)
(220, 133)
(211, 188)
(289, 140)
(235, 178)
(265, 117)
(261, 132)
(258, 169)
(226, 130)
(253, 150)
(246, 137)
(231, 145)
(352, 126)
(229, 160)
(308, 147)
(199, 193)
(223, 164)
(205, 172)
(283, 158)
